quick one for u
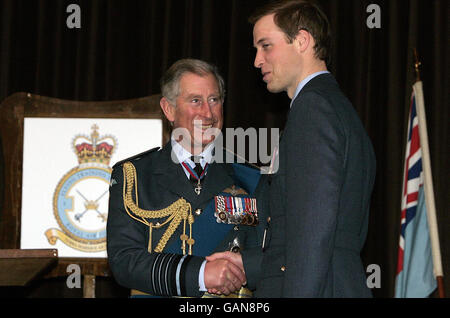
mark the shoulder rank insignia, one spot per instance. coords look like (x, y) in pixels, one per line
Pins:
(236, 210)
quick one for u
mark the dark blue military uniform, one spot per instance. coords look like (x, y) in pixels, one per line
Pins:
(160, 182)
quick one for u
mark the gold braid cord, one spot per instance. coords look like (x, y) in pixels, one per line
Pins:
(178, 211)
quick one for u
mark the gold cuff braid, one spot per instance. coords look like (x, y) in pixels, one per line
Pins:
(178, 211)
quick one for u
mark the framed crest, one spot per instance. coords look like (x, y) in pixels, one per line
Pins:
(58, 156)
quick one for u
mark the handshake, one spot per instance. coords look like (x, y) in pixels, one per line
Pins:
(224, 273)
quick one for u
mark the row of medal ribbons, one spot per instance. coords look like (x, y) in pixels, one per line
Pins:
(236, 210)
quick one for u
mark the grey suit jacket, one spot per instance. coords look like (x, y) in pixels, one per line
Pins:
(319, 199)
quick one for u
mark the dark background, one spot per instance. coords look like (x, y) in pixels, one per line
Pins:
(123, 47)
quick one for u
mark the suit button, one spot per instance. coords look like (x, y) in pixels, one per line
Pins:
(283, 268)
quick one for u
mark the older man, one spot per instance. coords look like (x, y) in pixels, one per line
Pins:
(165, 214)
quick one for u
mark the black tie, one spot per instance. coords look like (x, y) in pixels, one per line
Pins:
(198, 169)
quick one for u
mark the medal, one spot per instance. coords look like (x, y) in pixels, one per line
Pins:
(195, 176)
(198, 187)
(236, 210)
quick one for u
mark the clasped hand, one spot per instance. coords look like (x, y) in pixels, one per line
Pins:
(224, 273)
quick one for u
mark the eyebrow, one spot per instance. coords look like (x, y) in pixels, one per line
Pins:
(259, 41)
(193, 96)
(190, 96)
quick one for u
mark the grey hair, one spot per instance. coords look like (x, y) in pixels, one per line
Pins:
(170, 81)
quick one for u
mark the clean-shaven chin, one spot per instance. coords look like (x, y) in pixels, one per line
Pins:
(273, 89)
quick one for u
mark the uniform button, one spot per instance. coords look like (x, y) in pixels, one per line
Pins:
(268, 219)
(283, 268)
(236, 228)
(198, 212)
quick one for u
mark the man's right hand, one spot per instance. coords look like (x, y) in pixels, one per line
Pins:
(223, 276)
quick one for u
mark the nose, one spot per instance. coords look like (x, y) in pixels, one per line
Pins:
(258, 59)
(206, 110)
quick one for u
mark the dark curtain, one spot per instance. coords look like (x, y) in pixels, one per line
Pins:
(123, 47)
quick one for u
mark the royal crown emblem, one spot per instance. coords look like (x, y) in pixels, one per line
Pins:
(80, 201)
(94, 149)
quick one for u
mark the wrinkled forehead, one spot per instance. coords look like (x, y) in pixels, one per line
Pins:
(192, 83)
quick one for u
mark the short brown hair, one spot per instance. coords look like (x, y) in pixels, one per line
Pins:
(293, 16)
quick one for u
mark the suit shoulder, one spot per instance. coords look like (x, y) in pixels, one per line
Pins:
(137, 157)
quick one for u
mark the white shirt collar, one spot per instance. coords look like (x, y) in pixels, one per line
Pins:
(183, 155)
(304, 82)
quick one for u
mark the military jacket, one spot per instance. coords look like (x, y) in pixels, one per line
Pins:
(143, 254)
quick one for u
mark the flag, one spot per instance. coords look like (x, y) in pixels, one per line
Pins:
(415, 277)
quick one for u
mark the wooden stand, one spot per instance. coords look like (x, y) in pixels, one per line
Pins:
(19, 267)
(90, 268)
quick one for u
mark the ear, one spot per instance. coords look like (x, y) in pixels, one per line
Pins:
(303, 40)
(168, 109)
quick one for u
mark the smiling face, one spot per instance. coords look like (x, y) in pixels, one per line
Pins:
(198, 110)
(280, 62)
